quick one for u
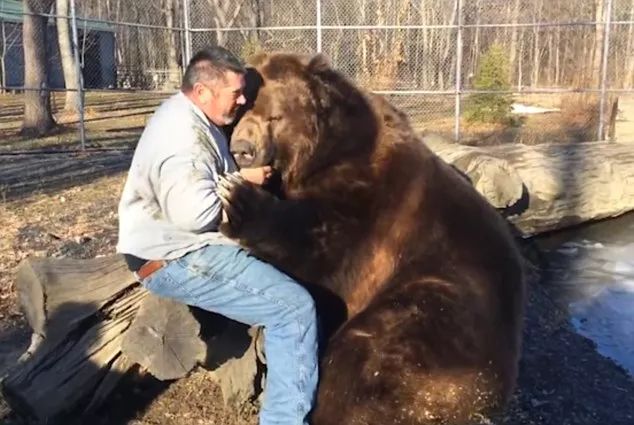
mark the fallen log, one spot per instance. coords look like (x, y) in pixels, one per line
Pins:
(66, 370)
(91, 323)
(54, 294)
(547, 187)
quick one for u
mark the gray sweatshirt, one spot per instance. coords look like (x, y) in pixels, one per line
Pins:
(169, 205)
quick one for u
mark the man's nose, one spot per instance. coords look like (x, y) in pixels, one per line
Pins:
(241, 100)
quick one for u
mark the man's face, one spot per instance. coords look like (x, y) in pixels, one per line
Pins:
(220, 99)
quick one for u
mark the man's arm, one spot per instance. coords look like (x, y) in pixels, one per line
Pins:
(257, 175)
(186, 192)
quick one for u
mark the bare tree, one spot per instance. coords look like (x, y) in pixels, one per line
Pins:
(224, 16)
(173, 68)
(514, 20)
(628, 79)
(66, 55)
(536, 46)
(598, 43)
(38, 118)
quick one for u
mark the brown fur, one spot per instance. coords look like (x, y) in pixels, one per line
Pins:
(417, 274)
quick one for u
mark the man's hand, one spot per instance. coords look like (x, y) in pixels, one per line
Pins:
(257, 175)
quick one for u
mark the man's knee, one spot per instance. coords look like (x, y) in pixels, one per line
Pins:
(302, 305)
(307, 304)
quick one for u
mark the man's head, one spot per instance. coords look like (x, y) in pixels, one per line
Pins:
(214, 81)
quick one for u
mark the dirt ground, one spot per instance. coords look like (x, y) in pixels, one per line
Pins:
(64, 205)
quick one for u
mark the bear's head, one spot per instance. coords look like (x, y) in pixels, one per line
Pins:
(302, 118)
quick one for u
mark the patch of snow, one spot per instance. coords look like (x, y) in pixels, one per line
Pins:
(521, 109)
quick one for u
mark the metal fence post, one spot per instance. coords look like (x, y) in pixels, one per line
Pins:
(80, 79)
(188, 34)
(604, 68)
(318, 9)
(458, 70)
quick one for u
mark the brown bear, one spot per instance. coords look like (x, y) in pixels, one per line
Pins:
(419, 278)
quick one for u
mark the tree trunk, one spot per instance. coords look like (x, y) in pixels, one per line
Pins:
(365, 37)
(514, 21)
(222, 18)
(551, 61)
(447, 59)
(475, 50)
(66, 55)
(546, 187)
(599, 34)
(38, 118)
(628, 81)
(557, 53)
(85, 363)
(173, 69)
(586, 76)
(536, 47)
(5, 48)
(520, 64)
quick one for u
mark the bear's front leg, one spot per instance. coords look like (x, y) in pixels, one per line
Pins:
(247, 207)
(284, 232)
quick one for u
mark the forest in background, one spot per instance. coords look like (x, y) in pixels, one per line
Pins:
(564, 51)
(389, 45)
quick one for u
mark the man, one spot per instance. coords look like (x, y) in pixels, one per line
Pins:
(168, 230)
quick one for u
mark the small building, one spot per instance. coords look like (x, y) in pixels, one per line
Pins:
(96, 50)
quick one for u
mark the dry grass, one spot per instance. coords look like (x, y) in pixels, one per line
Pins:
(52, 224)
(577, 121)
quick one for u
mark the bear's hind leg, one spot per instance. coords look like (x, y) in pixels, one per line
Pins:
(419, 353)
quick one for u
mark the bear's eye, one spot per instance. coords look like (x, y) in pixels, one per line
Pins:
(274, 118)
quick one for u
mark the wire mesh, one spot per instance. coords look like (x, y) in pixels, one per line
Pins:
(132, 54)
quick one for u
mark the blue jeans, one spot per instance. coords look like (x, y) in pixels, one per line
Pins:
(228, 281)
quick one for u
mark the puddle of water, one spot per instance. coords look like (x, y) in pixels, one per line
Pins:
(594, 267)
(604, 312)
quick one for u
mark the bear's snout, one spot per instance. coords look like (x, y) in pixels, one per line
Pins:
(244, 152)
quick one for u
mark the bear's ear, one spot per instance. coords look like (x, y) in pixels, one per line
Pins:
(318, 63)
(257, 58)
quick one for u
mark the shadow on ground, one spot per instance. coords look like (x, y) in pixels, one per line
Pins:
(26, 174)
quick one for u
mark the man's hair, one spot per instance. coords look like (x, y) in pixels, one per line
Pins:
(210, 64)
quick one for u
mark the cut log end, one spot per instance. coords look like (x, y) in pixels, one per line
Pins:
(165, 339)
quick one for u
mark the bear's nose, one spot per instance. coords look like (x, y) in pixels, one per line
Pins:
(243, 151)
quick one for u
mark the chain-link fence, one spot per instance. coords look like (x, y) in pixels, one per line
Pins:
(562, 71)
